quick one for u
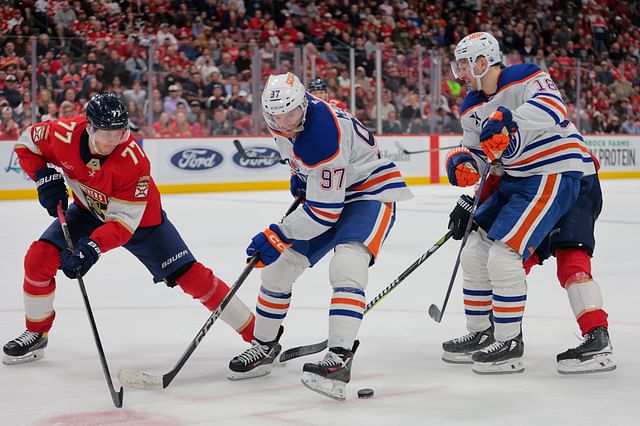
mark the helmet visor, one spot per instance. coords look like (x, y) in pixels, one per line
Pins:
(461, 67)
(288, 122)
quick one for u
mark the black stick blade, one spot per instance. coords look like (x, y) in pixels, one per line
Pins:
(434, 313)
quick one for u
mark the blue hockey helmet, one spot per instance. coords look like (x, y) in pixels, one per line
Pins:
(106, 112)
(318, 84)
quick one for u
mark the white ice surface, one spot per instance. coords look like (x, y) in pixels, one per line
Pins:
(149, 326)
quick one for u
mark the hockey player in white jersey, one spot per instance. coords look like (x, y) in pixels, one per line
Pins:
(350, 194)
(548, 193)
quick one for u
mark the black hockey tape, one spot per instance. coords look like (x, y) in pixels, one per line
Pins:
(365, 393)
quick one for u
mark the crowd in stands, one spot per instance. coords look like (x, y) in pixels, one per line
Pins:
(202, 58)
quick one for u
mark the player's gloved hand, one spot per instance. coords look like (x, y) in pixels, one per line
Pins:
(494, 138)
(84, 256)
(459, 216)
(268, 244)
(297, 186)
(51, 190)
(462, 169)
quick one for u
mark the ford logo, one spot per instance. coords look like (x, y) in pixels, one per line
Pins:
(259, 158)
(196, 159)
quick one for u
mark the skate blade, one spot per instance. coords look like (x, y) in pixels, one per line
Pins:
(334, 389)
(457, 358)
(138, 379)
(512, 366)
(263, 370)
(28, 357)
(600, 363)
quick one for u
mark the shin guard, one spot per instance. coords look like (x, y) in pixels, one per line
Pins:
(40, 265)
(200, 283)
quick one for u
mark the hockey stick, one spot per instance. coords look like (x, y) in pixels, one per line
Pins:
(137, 378)
(422, 151)
(299, 351)
(115, 396)
(245, 155)
(434, 312)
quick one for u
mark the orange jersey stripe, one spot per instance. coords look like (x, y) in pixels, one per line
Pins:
(375, 244)
(345, 301)
(325, 214)
(508, 309)
(477, 302)
(516, 241)
(550, 151)
(272, 305)
(377, 180)
(553, 104)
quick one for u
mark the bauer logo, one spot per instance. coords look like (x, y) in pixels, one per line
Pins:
(196, 159)
(257, 158)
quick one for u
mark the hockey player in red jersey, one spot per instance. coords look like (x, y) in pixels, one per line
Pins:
(115, 203)
(517, 115)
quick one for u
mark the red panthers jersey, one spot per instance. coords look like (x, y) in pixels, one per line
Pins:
(117, 189)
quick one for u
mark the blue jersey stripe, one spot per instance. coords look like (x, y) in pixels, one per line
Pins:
(377, 191)
(325, 205)
(274, 294)
(269, 314)
(549, 161)
(541, 142)
(508, 320)
(499, 298)
(469, 312)
(313, 216)
(470, 292)
(545, 109)
(345, 312)
(349, 290)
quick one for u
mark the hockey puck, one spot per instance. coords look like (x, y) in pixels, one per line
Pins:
(365, 393)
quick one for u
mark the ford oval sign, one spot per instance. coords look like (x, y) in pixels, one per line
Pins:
(196, 159)
(259, 157)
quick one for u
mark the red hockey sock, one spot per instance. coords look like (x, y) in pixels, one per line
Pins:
(40, 265)
(592, 320)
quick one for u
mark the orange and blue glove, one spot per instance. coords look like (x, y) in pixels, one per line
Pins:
(462, 169)
(494, 138)
(268, 245)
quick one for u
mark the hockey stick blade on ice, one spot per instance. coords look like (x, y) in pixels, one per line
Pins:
(423, 151)
(246, 156)
(434, 312)
(311, 349)
(137, 378)
(118, 396)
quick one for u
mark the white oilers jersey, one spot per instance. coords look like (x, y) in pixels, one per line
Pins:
(339, 160)
(546, 141)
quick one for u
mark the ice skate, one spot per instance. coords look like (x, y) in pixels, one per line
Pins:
(27, 347)
(593, 355)
(330, 375)
(459, 351)
(256, 361)
(500, 357)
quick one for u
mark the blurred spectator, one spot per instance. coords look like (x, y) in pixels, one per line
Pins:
(11, 93)
(630, 126)
(220, 125)
(391, 125)
(68, 109)
(162, 128)
(9, 128)
(180, 127)
(136, 94)
(202, 126)
(171, 102)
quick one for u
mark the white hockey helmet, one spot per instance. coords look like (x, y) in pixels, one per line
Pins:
(470, 48)
(283, 94)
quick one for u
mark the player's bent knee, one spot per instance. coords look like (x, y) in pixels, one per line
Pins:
(172, 279)
(280, 275)
(41, 260)
(574, 265)
(505, 266)
(473, 258)
(350, 265)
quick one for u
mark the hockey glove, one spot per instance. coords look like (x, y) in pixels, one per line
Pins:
(268, 244)
(84, 256)
(494, 138)
(459, 216)
(462, 169)
(51, 190)
(297, 186)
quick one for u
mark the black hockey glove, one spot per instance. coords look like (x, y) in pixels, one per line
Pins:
(459, 216)
(51, 190)
(83, 258)
(297, 186)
